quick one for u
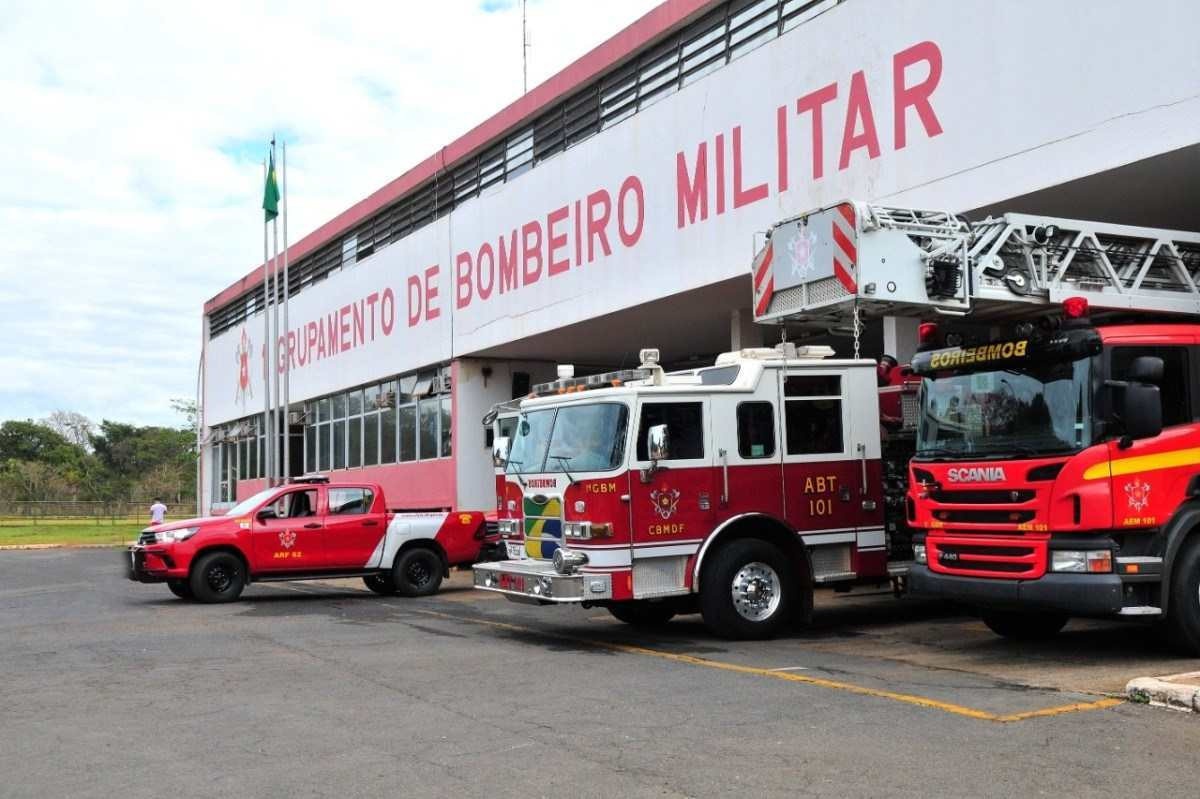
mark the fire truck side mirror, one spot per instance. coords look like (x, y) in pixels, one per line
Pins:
(658, 443)
(500, 451)
(1141, 410)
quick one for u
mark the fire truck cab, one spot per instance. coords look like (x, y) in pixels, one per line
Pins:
(731, 490)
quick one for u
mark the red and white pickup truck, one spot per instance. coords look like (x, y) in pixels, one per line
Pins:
(305, 530)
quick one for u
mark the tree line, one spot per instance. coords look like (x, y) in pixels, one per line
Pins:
(67, 456)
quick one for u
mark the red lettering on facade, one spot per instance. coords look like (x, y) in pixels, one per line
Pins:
(414, 300)
(719, 153)
(631, 188)
(916, 96)
(596, 224)
(555, 242)
(691, 193)
(531, 252)
(508, 264)
(485, 255)
(743, 196)
(814, 102)
(462, 279)
(858, 110)
(431, 292)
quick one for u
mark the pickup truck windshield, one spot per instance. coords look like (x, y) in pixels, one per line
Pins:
(250, 503)
(576, 438)
(1037, 409)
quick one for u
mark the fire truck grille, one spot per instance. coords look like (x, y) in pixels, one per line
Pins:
(985, 516)
(491, 527)
(987, 558)
(983, 497)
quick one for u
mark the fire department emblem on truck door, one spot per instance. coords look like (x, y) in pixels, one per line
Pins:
(1138, 493)
(665, 500)
(287, 539)
(242, 358)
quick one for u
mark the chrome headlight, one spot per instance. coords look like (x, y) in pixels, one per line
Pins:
(1093, 561)
(172, 536)
(566, 561)
(507, 527)
(578, 530)
(919, 553)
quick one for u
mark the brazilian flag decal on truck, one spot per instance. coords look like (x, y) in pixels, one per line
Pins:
(543, 526)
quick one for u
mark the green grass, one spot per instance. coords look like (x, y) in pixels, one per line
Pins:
(69, 533)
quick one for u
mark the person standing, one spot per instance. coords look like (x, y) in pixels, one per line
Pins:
(158, 512)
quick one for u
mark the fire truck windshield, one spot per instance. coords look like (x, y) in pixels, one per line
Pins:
(1036, 410)
(571, 439)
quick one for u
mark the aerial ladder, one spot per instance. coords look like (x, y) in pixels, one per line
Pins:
(856, 261)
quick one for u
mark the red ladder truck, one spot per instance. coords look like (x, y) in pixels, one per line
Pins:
(1057, 463)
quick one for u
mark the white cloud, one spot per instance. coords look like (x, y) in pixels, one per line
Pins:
(130, 180)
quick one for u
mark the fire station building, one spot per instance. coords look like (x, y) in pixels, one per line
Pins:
(619, 204)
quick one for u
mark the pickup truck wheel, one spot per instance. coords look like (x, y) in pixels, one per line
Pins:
(418, 572)
(1024, 626)
(748, 590)
(382, 584)
(181, 589)
(642, 613)
(217, 577)
(1183, 616)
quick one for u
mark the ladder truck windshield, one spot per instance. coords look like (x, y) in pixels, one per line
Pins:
(1056, 466)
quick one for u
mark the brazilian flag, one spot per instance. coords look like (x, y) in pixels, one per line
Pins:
(271, 193)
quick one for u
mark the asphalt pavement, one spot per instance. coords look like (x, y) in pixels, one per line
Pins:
(323, 689)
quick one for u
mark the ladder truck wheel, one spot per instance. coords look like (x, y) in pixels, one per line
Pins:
(418, 572)
(643, 613)
(1024, 625)
(1183, 618)
(382, 583)
(218, 577)
(748, 590)
(181, 589)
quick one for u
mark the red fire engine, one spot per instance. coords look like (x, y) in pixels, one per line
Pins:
(1057, 463)
(732, 489)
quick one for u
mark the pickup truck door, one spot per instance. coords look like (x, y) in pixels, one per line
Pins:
(290, 538)
(355, 522)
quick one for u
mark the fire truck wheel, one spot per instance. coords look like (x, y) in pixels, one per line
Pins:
(180, 588)
(418, 572)
(382, 584)
(749, 589)
(217, 577)
(1024, 626)
(1183, 618)
(641, 613)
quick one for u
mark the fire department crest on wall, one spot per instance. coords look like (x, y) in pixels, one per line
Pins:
(242, 359)
(666, 501)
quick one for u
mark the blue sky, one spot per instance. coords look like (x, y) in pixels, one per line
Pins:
(131, 151)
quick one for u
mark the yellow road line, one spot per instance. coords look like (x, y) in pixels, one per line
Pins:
(819, 682)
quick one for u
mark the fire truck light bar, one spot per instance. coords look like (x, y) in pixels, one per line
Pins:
(574, 384)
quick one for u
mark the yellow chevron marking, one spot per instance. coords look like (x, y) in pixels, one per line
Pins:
(1143, 463)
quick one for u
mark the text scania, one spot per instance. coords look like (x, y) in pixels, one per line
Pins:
(571, 235)
(976, 474)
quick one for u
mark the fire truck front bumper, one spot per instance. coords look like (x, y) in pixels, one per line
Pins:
(536, 582)
(1073, 594)
(151, 565)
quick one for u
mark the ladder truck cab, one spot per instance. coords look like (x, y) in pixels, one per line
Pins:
(731, 490)
(1056, 470)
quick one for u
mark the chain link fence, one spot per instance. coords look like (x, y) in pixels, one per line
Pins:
(57, 512)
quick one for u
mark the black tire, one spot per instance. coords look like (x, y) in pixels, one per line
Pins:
(382, 584)
(755, 615)
(217, 577)
(181, 589)
(1183, 613)
(643, 613)
(1024, 625)
(418, 572)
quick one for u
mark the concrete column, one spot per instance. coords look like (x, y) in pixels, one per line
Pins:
(743, 332)
(900, 337)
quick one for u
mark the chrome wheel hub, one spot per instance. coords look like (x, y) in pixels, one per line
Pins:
(756, 591)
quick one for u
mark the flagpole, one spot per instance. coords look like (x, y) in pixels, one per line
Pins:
(275, 338)
(287, 352)
(266, 460)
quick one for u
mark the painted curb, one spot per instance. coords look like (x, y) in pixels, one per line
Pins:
(17, 547)
(1175, 691)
